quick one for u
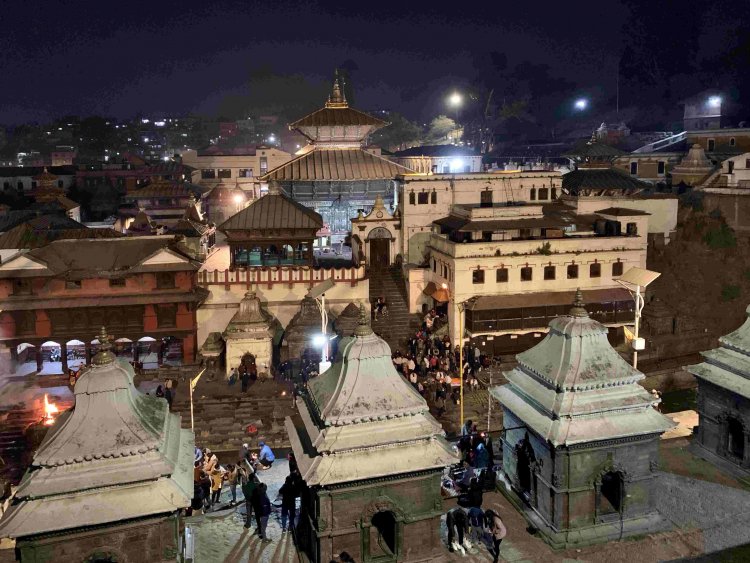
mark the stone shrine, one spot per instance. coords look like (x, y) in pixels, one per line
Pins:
(109, 479)
(723, 432)
(371, 457)
(249, 333)
(298, 336)
(581, 438)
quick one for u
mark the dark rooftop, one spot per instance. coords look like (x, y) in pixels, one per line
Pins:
(273, 211)
(601, 179)
(437, 150)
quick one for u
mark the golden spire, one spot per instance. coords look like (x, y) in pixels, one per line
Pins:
(337, 98)
(579, 308)
(363, 327)
(104, 356)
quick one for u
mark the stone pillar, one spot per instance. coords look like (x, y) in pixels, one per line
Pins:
(87, 345)
(8, 357)
(135, 351)
(64, 357)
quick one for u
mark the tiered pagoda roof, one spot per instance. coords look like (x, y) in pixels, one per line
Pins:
(361, 420)
(117, 455)
(273, 211)
(574, 388)
(728, 366)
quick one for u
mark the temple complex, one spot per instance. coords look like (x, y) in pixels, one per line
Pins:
(110, 478)
(723, 432)
(371, 457)
(581, 438)
(337, 174)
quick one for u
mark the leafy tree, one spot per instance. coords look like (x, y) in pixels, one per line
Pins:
(438, 130)
(399, 135)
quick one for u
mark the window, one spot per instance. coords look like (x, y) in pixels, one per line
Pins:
(485, 198)
(632, 229)
(164, 280)
(422, 198)
(732, 141)
(572, 271)
(446, 169)
(246, 172)
(434, 265)
(549, 272)
(25, 322)
(711, 145)
(73, 284)
(117, 282)
(412, 198)
(263, 165)
(6, 185)
(634, 168)
(33, 184)
(735, 438)
(477, 276)
(166, 316)
(225, 173)
(747, 163)
(208, 174)
(730, 163)
(434, 169)
(21, 287)
(60, 184)
(660, 167)
(433, 197)
(543, 193)
(502, 275)
(617, 269)
(20, 186)
(554, 193)
(532, 194)
(595, 270)
(526, 273)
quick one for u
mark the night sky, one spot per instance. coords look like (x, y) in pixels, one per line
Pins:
(84, 57)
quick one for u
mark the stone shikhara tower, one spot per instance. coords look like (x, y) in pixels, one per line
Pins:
(723, 433)
(371, 456)
(581, 439)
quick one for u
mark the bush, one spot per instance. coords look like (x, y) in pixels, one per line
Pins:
(730, 292)
(721, 237)
(545, 249)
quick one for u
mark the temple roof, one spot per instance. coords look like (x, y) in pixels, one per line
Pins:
(337, 116)
(40, 232)
(728, 366)
(601, 179)
(594, 149)
(337, 165)
(573, 387)
(360, 419)
(163, 188)
(273, 211)
(117, 455)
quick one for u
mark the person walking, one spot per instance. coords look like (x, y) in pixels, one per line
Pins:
(216, 483)
(288, 493)
(168, 394)
(232, 477)
(262, 507)
(248, 489)
(497, 530)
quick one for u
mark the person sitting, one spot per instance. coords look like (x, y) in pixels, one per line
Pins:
(265, 456)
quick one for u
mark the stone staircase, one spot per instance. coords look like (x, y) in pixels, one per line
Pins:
(399, 325)
(221, 422)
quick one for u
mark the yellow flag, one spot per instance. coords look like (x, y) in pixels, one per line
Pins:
(629, 334)
(194, 381)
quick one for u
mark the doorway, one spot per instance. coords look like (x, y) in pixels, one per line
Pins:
(380, 253)
(383, 534)
(611, 492)
(735, 438)
(526, 458)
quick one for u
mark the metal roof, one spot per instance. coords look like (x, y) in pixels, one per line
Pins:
(337, 165)
(273, 211)
(547, 298)
(601, 179)
(337, 116)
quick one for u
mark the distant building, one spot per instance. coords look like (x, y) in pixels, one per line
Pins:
(25, 179)
(709, 109)
(440, 159)
(164, 201)
(581, 445)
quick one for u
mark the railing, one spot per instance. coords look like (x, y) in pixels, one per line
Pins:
(281, 275)
(661, 143)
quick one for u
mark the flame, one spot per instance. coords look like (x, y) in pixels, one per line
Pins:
(50, 410)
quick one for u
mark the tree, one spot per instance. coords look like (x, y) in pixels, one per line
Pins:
(399, 135)
(440, 127)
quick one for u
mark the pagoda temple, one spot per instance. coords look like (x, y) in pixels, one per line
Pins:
(371, 457)
(337, 174)
(581, 439)
(272, 231)
(723, 432)
(109, 479)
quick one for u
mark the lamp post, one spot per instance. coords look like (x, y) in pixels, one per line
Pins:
(455, 100)
(634, 280)
(461, 310)
(319, 294)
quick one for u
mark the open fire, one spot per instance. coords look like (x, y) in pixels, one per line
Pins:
(50, 410)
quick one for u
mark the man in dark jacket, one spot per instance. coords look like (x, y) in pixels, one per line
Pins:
(262, 507)
(288, 492)
(248, 489)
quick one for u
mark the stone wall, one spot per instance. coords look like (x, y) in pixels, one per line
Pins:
(154, 540)
(715, 405)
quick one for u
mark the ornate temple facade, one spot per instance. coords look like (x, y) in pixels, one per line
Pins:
(371, 457)
(337, 174)
(109, 479)
(723, 432)
(581, 438)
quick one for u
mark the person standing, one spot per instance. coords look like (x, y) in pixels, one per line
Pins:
(497, 530)
(458, 525)
(216, 483)
(476, 524)
(248, 489)
(211, 461)
(244, 378)
(288, 493)
(168, 394)
(232, 476)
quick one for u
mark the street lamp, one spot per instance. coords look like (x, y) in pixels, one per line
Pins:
(319, 294)
(634, 280)
(714, 101)
(581, 104)
(455, 100)
(238, 200)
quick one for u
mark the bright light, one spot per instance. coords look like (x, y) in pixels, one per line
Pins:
(238, 198)
(445, 286)
(166, 159)
(50, 410)
(319, 340)
(272, 139)
(159, 123)
(581, 104)
(457, 164)
(714, 101)
(455, 99)
(145, 139)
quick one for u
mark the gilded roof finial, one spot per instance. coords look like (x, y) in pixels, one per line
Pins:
(104, 356)
(579, 308)
(363, 327)
(336, 99)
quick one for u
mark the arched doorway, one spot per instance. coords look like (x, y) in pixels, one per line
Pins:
(26, 358)
(383, 534)
(76, 350)
(525, 459)
(380, 247)
(735, 438)
(147, 352)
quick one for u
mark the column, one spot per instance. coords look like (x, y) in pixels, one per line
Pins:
(64, 357)
(39, 359)
(87, 345)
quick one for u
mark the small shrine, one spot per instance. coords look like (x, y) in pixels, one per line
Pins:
(274, 230)
(47, 187)
(374, 235)
(581, 438)
(249, 338)
(371, 457)
(723, 432)
(110, 477)
(693, 168)
(299, 334)
(142, 225)
(347, 321)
